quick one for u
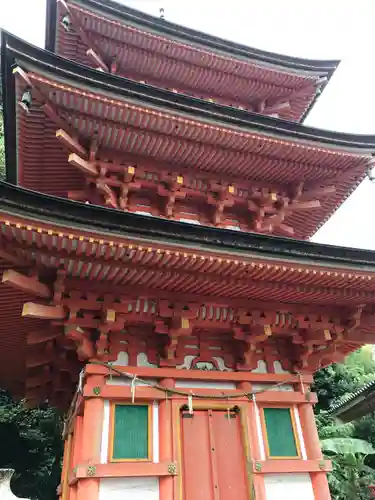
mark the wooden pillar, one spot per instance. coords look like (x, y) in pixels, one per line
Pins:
(165, 441)
(257, 480)
(76, 451)
(320, 486)
(66, 468)
(92, 427)
(310, 432)
(313, 450)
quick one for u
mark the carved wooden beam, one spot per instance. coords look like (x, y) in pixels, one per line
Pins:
(85, 346)
(33, 310)
(85, 166)
(70, 143)
(96, 58)
(27, 284)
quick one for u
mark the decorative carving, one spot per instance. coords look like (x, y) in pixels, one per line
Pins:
(197, 363)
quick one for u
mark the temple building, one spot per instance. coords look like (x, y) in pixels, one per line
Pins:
(355, 406)
(157, 279)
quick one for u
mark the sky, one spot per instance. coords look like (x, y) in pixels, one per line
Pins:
(320, 29)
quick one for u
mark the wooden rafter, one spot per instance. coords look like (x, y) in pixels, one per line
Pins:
(70, 143)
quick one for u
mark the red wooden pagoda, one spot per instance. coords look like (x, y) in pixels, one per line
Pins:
(147, 282)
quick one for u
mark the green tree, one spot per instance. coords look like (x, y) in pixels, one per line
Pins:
(351, 475)
(352, 470)
(341, 379)
(31, 444)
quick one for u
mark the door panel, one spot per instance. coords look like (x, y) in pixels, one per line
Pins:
(196, 452)
(230, 456)
(213, 458)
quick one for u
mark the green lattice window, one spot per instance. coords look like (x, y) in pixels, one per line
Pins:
(281, 441)
(131, 432)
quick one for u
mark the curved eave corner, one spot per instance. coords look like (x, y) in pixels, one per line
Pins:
(150, 23)
(15, 49)
(33, 205)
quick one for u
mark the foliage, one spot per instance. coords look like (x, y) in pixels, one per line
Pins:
(339, 380)
(31, 444)
(347, 446)
(351, 475)
(350, 446)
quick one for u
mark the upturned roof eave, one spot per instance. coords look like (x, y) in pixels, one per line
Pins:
(16, 50)
(29, 204)
(325, 68)
(148, 22)
(356, 405)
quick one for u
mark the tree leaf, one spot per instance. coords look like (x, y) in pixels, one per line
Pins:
(347, 446)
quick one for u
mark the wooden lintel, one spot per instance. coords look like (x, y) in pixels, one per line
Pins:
(126, 469)
(85, 166)
(71, 143)
(33, 310)
(159, 373)
(27, 284)
(286, 465)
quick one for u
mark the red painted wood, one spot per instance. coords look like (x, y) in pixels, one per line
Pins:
(230, 456)
(213, 462)
(196, 462)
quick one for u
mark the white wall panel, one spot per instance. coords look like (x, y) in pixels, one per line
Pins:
(129, 488)
(291, 486)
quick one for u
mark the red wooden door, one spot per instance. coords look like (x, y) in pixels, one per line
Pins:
(213, 458)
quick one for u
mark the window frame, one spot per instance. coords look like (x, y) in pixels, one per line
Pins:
(292, 410)
(111, 440)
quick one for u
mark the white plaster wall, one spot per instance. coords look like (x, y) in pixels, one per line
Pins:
(259, 430)
(105, 433)
(262, 367)
(270, 387)
(293, 486)
(299, 433)
(155, 432)
(198, 384)
(129, 488)
(128, 382)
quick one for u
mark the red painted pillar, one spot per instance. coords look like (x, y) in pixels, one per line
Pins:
(92, 426)
(76, 451)
(257, 480)
(313, 450)
(165, 441)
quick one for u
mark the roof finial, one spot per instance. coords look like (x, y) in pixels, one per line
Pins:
(162, 12)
